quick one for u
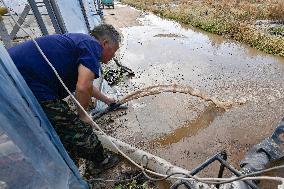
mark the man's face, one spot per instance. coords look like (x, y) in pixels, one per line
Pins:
(109, 50)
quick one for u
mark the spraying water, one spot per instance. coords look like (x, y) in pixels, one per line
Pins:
(157, 89)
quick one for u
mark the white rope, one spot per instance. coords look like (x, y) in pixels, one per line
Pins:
(103, 133)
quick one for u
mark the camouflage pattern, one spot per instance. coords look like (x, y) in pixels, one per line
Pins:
(77, 136)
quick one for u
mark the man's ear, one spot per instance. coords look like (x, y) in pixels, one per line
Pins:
(105, 43)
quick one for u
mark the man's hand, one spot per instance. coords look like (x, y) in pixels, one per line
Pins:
(102, 97)
(110, 101)
(111, 107)
(116, 105)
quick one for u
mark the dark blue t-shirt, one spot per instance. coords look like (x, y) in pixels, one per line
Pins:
(65, 52)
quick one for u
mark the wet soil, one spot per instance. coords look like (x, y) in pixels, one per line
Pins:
(187, 130)
(114, 16)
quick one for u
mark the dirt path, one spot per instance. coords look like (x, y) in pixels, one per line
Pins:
(187, 130)
(122, 16)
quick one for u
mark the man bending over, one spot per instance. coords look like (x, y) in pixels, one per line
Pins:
(76, 57)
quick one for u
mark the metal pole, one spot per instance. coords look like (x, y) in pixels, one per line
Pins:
(52, 16)
(58, 16)
(5, 35)
(204, 164)
(85, 14)
(38, 17)
(222, 167)
(3, 30)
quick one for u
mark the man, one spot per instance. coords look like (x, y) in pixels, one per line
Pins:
(76, 57)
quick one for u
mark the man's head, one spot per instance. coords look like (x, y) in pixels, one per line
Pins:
(109, 38)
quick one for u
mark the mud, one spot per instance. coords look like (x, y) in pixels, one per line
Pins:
(183, 129)
(129, 15)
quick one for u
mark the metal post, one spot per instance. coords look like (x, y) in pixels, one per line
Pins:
(58, 16)
(3, 30)
(38, 17)
(5, 35)
(85, 14)
(52, 16)
(20, 21)
(222, 167)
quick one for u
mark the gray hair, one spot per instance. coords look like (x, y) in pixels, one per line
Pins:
(106, 31)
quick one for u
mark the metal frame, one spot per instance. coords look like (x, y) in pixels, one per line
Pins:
(222, 159)
(20, 21)
(31, 5)
(52, 11)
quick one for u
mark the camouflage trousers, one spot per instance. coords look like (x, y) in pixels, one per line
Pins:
(77, 136)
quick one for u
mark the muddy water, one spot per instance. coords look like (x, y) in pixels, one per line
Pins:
(192, 128)
(186, 130)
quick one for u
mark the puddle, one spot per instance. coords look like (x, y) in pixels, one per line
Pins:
(190, 129)
(186, 130)
(221, 68)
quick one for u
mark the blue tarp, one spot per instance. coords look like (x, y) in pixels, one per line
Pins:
(31, 154)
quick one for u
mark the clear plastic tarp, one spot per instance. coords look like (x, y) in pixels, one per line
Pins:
(109, 91)
(31, 154)
(71, 14)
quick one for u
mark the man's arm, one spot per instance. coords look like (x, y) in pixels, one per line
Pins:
(100, 96)
(84, 90)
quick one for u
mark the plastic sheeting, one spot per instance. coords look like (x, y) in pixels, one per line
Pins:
(31, 154)
(107, 90)
(92, 11)
(71, 15)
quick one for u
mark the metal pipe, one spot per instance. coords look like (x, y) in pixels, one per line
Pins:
(222, 167)
(236, 172)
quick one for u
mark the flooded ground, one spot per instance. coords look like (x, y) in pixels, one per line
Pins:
(180, 128)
